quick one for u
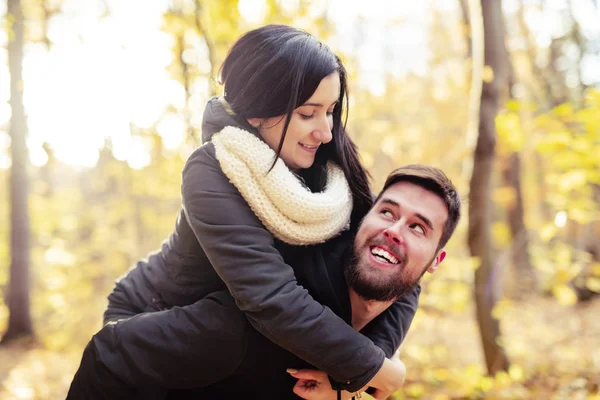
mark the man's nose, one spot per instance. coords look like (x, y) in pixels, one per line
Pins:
(392, 236)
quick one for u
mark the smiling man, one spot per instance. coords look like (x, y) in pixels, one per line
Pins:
(366, 271)
(399, 240)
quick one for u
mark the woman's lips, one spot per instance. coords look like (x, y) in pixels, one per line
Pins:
(310, 149)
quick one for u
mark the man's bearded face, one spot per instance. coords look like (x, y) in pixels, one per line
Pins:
(397, 242)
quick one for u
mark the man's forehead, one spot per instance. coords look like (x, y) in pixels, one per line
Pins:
(415, 199)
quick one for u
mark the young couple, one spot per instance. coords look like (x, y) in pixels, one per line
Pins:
(283, 277)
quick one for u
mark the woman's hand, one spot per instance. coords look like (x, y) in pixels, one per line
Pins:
(314, 385)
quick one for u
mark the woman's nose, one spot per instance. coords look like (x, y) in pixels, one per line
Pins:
(323, 132)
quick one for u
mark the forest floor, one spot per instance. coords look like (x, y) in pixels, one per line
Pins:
(554, 351)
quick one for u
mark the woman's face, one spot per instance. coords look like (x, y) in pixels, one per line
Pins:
(310, 126)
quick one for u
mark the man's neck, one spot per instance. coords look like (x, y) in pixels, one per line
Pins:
(364, 311)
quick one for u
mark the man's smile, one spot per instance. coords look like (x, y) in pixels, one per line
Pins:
(383, 257)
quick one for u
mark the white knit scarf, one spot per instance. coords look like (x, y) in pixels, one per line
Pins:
(287, 208)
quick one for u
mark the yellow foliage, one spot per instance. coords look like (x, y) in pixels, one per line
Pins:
(580, 216)
(516, 373)
(548, 231)
(554, 142)
(501, 234)
(573, 180)
(565, 295)
(441, 374)
(500, 308)
(508, 127)
(416, 390)
(564, 111)
(593, 284)
(486, 384)
(488, 74)
(505, 196)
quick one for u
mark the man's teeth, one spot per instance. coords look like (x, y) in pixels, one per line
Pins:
(377, 251)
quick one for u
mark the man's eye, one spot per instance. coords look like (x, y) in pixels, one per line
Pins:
(418, 228)
(387, 213)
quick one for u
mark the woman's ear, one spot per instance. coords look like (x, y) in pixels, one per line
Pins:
(255, 122)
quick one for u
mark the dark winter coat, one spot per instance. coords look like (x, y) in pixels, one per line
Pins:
(219, 244)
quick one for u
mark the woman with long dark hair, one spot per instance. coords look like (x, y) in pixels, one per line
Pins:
(277, 174)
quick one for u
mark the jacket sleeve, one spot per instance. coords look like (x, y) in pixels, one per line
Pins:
(184, 347)
(265, 288)
(389, 329)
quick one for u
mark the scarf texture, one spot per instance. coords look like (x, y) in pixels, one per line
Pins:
(287, 208)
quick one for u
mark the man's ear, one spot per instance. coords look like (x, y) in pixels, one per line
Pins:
(437, 261)
(255, 122)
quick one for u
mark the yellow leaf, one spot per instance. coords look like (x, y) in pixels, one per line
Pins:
(508, 126)
(581, 216)
(565, 295)
(596, 269)
(562, 275)
(516, 373)
(593, 284)
(564, 110)
(501, 233)
(500, 308)
(415, 390)
(442, 374)
(573, 180)
(486, 384)
(562, 255)
(503, 379)
(488, 74)
(547, 232)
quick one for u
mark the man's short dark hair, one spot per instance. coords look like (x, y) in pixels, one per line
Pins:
(434, 180)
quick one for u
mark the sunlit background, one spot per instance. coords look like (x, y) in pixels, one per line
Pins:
(105, 70)
(114, 93)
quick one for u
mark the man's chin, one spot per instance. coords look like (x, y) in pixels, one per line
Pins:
(379, 291)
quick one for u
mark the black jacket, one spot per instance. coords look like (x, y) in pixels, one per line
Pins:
(219, 244)
(234, 360)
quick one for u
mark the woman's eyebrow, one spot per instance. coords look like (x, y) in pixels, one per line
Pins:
(318, 104)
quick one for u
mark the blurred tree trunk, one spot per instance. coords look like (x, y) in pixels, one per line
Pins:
(524, 278)
(210, 47)
(523, 281)
(480, 207)
(19, 321)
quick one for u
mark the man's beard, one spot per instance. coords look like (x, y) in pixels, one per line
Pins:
(371, 284)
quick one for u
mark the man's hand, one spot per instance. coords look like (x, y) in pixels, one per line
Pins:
(314, 385)
(390, 378)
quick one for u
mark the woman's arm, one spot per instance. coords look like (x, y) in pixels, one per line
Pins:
(243, 254)
(184, 347)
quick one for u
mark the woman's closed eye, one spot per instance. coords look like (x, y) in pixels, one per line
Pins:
(306, 116)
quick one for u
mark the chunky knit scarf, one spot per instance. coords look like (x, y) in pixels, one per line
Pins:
(287, 208)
